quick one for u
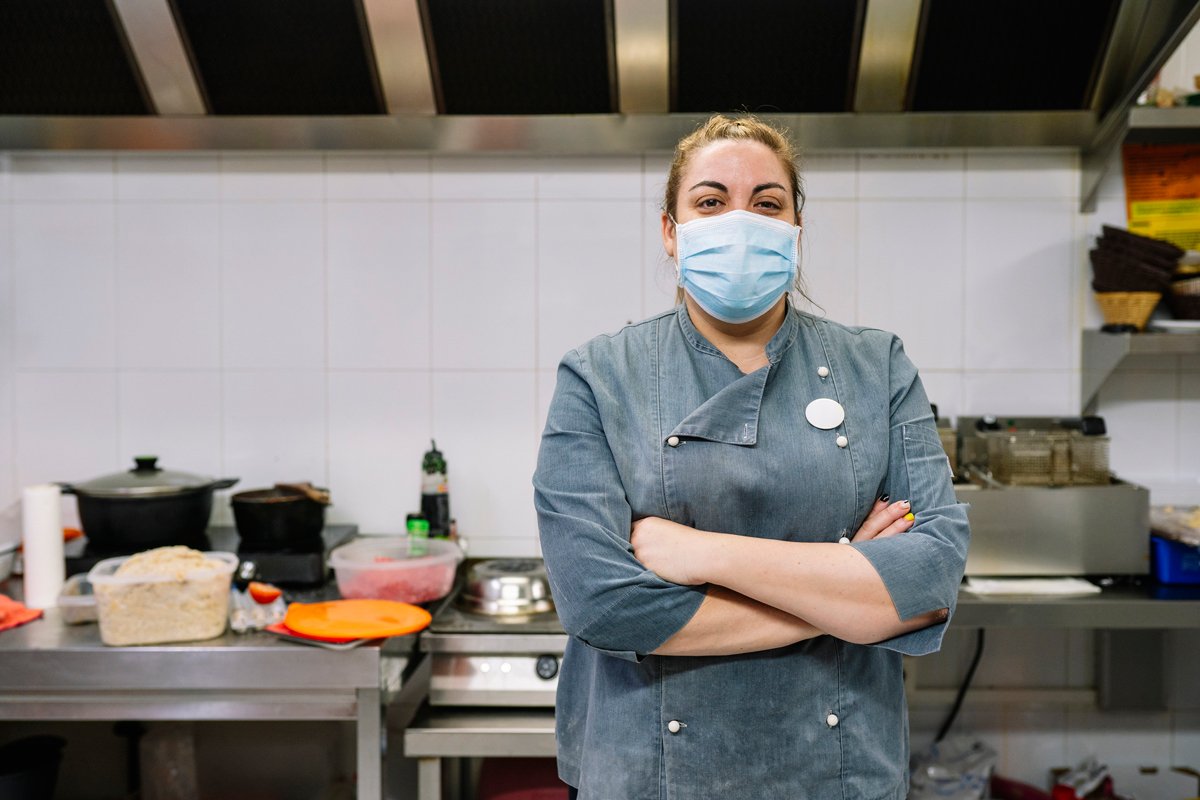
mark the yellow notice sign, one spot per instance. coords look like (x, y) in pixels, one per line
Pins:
(1162, 192)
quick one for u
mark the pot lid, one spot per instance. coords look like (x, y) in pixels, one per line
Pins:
(145, 479)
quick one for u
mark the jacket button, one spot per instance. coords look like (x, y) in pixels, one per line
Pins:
(823, 372)
(673, 441)
(831, 720)
(842, 441)
(844, 540)
(673, 726)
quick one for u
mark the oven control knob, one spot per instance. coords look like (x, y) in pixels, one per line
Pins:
(547, 666)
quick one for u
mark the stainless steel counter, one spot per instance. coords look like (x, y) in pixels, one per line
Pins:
(64, 672)
(1116, 607)
(453, 733)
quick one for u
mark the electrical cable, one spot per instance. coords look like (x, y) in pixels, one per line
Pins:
(962, 690)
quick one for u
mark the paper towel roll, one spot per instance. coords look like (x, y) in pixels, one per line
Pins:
(41, 526)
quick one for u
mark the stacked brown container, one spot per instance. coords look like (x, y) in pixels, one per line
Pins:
(1130, 274)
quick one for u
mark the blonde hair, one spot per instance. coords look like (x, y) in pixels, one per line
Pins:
(719, 128)
(748, 128)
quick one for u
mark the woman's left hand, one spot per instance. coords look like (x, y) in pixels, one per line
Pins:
(670, 550)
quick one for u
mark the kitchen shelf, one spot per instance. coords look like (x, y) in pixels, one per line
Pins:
(1103, 352)
(1149, 125)
(1137, 125)
(1116, 607)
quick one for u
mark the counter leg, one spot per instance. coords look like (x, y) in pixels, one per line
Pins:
(429, 779)
(368, 730)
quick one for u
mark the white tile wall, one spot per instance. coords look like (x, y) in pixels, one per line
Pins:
(480, 178)
(378, 289)
(178, 176)
(904, 176)
(829, 176)
(67, 426)
(659, 280)
(274, 427)
(273, 285)
(320, 317)
(1016, 393)
(272, 177)
(485, 424)
(589, 273)
(66, 176)
(590, 179)
(168, 285)
(65, 285)
(829, 260)
(1014, 175)
(1139, 410)
(1018, 272)
(372, 177)
(380, 423)
(484, 289)
(175, 415)
(910, 275)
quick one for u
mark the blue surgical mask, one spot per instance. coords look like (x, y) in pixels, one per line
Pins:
(736, 265)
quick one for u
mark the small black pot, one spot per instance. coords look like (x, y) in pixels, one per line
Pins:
(271, 520)
(145, 507)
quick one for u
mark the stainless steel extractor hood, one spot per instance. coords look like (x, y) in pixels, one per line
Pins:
(572, 76)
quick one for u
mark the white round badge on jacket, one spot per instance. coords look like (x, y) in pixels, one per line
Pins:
(825, 413)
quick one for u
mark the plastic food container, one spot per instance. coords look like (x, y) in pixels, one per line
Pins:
(1174, 562)
(76, 602)
(152, 609)
(401, 569)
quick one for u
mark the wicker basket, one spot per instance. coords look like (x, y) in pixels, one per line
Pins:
(1127, 308)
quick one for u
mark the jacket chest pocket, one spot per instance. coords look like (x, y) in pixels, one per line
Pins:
(795, 482)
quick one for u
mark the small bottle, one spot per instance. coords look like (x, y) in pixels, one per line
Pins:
(418, 534)
(435, 492)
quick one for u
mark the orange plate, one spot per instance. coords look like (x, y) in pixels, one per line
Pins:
(284, 630)
(356, 619)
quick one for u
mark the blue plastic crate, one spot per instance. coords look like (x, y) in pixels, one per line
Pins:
(1174, 562)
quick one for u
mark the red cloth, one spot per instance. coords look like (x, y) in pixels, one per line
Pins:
(13, 613)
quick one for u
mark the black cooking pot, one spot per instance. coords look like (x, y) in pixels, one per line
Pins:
(146, 507)
(282, 518)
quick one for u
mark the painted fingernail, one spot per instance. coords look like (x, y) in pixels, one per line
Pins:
(909, 516)
(905, 503)
(884, 498)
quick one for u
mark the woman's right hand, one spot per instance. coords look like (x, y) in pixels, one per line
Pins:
(885, 520)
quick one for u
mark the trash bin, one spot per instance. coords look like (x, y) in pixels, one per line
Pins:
(520, 779)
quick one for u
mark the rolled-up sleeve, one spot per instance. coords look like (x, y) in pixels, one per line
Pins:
(603, 594)
(922, 568)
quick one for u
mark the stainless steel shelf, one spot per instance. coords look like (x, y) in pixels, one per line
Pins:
(1163, 125)
(1119, 607)
(1103, 352)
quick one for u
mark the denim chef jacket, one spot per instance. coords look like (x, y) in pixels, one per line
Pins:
(655, 421)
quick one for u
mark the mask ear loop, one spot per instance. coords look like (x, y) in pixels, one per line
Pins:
(678, 269)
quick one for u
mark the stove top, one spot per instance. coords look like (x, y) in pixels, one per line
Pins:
(489, 660)
(286, 568)
(452, 619)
